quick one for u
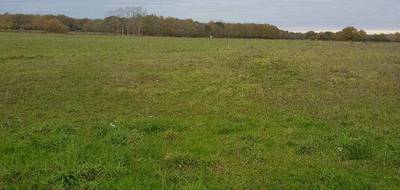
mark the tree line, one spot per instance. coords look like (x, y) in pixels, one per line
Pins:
(134, 21)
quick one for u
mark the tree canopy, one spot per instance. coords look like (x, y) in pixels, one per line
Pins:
(136, 21)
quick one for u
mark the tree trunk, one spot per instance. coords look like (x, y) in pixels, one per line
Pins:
(127, 30)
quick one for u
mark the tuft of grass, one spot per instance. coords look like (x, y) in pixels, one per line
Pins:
(357, 150)
(181, 161)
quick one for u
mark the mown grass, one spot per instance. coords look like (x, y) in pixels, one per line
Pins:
(103, 112)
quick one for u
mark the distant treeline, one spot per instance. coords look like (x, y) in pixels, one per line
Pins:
(135, 21)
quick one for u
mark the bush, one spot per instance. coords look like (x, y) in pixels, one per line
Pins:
(55, 26)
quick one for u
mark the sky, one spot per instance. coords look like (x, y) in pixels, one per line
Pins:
(293, 15)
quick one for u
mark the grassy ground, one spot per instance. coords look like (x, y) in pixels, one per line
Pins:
(103, 112)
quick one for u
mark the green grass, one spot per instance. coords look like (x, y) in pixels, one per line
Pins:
(104, 112)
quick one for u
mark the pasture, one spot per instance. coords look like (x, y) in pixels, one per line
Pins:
(110, 112)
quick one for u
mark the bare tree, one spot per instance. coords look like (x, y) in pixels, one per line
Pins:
(131, 18)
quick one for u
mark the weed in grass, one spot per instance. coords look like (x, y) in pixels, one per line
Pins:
(181, 161)
(91, 173)
(306, 149)
(170, 135)
(68, 180)
(357, 150)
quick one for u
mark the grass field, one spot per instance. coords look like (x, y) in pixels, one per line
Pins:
(105, 112)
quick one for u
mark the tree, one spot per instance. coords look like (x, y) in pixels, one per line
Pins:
(351, 34)
(347, 34)
(6, 22)
(112, 24)
(326, 36)
(55, 26)
(217, 29)
(360, 36)
(22, 22)
(130, 18)
(397, 37)
(151, 25)
(311, 35)
(134, 20)
(378, 38)
(38, 22)
(94, 26)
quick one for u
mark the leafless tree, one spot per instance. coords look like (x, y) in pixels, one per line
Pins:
(131, 17)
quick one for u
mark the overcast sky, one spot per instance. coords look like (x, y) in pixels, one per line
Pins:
(294, 15)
